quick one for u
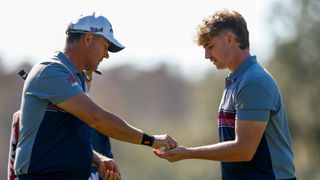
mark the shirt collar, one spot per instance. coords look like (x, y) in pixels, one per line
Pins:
(243, 66)
(66, 61)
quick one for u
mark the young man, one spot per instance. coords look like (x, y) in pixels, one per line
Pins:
(253, 128)
(54, 134)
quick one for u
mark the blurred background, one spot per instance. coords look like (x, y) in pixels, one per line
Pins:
(161, 82)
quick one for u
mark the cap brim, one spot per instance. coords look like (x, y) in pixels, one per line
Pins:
(115, 45)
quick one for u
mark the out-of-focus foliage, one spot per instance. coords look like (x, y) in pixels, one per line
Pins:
(296, 66)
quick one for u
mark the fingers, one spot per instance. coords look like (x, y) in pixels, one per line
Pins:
(115, 172)
(115, 167)
(169, 142)
(108, 175)
(165, 155)
(158, 153)
(172, 142)
(164, 140)
(172, 155)
(109, 169)
(111, 175)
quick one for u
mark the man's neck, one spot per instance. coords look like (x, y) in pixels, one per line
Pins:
(75, 57)
(238, 59)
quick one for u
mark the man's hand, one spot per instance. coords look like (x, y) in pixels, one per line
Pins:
(164, 141)
(108, 169)
(172, 155)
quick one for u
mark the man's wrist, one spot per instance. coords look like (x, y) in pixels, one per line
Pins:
(147, 140)
(96, 158)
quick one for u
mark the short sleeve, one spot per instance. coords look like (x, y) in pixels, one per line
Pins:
(254, 101)
(54, 83)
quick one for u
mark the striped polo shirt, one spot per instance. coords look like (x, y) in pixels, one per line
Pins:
(52, 143)
(252, 94)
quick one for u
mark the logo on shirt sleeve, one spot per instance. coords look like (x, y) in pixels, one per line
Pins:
(72, 81)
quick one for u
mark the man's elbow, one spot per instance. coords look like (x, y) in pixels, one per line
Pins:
(247, 155)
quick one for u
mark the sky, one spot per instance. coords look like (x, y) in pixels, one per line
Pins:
(153, 32)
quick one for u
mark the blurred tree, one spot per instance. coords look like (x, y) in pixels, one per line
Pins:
(296, 65)
(143, 96)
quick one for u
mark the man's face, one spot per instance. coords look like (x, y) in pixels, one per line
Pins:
(217, 50)
(97, 50)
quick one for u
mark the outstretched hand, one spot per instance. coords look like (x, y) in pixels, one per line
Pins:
(172, 155)
(164, 141)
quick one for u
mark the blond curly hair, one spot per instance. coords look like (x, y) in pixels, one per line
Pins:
(219, 23)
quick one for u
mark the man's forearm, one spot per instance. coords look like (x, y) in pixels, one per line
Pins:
(109, 124)
(117, 128)
(228, 151)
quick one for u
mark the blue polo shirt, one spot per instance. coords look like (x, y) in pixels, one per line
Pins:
(53, 143)
(252, 94)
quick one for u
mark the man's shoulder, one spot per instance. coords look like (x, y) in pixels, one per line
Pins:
(257, 78)
(43, 73)
(47, 67)
(257, 74)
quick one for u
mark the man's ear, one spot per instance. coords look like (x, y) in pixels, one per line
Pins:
(230, 37)
(88, 37)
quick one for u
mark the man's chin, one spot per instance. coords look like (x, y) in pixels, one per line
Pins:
(220, 67)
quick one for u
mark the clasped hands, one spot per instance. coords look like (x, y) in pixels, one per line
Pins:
(172, 151)
(109, 170)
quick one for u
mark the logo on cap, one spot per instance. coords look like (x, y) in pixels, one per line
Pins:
(110, 30)
(95, 29)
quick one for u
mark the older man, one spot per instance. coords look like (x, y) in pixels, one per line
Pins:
(54, 137)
